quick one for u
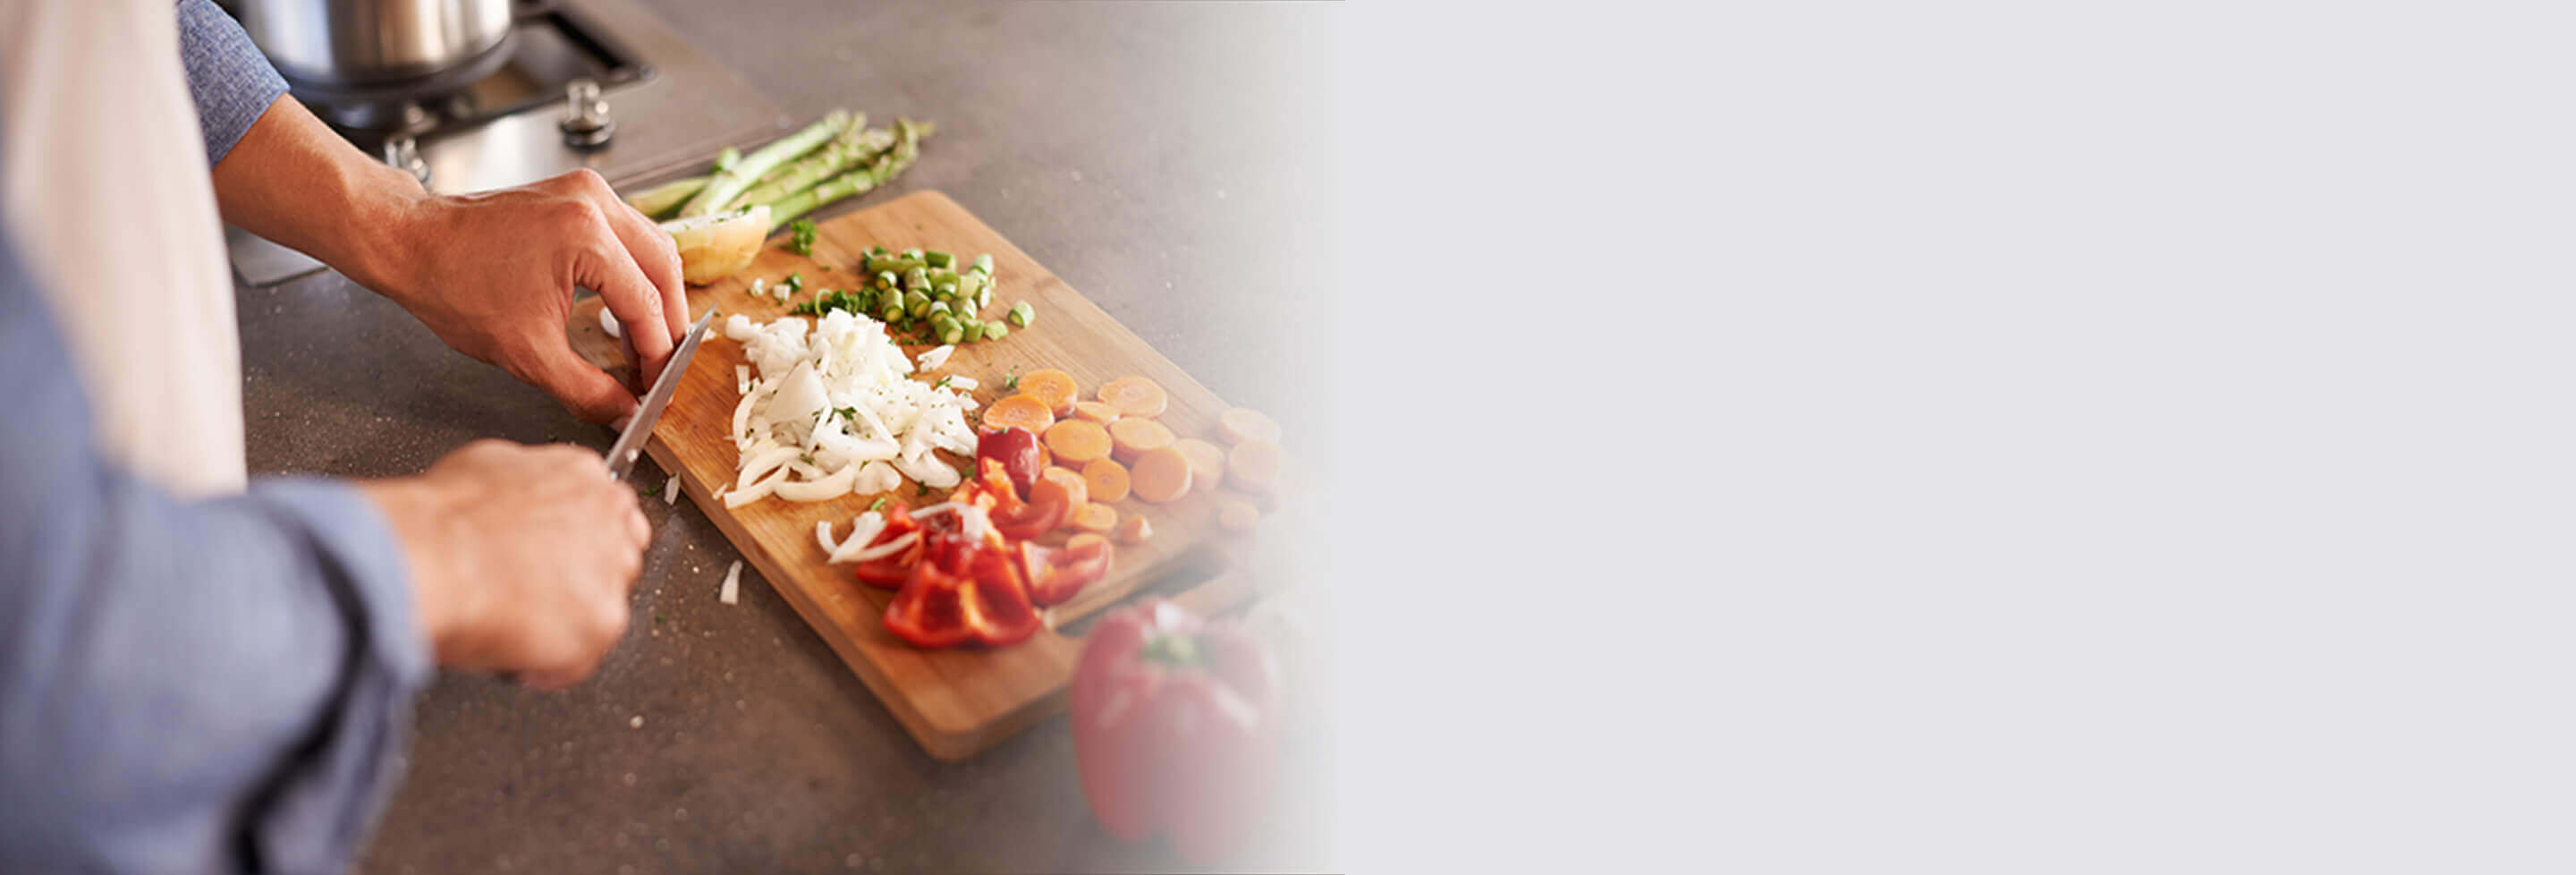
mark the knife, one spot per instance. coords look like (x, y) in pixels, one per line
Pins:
(630, 443)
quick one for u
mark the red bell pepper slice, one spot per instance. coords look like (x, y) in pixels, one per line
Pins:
(1017, 450)
(1056, 574)
(979, 598)
(1000, 603)
(1030, 519)
(929, 611)
(890, 572)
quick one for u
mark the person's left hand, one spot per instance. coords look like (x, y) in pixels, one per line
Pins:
(492, 274)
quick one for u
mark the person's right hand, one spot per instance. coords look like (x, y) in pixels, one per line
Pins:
(522, 557)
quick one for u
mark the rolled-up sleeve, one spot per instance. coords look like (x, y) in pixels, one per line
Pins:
(185, 686)
(231, 82)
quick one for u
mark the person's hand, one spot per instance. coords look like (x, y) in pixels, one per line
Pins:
(492, 273)
(521, 557)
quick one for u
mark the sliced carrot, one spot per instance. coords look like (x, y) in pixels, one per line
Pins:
(1135, 531)
(1095, 517)
(1101, 412)
(1253, 466)
(1078, 441)
(1235, 515)
(1073, 481)
(1054, 387)
(1244, 423)
(1133, 396)
(1051, 491)
(1019, 410)
(1130, 438)
(1161, 475)
(1207, 461)
(1108, 479)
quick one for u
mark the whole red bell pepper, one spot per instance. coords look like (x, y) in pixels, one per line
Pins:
(1173, 730)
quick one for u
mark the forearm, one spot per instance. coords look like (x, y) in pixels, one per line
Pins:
(292, 180)
(184, 683)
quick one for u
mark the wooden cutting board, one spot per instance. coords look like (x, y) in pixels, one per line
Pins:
(955, 701)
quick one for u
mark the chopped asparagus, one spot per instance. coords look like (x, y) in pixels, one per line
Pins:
(731, 181)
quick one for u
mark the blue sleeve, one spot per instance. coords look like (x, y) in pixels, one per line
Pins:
(185, 686)
(229, 79)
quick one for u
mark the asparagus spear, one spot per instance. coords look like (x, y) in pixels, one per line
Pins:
(666, 197)
(858, 122)
(907, 146)
(851, 150)
(732, 180)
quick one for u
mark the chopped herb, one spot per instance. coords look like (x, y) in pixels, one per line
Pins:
(653, 490)
(878, 504)
(1012, 384)
(942, 384)
(795, 282)
(803, 243)
(848, 414)
(921, 489)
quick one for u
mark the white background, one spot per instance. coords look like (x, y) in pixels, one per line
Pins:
(1957, 437)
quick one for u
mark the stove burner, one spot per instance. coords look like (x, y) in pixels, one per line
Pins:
(547, 50)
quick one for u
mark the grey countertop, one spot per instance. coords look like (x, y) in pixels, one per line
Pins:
(1173, 161)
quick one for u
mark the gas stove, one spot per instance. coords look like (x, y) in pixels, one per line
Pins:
(579, 83)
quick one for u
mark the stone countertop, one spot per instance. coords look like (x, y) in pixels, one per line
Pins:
(1171, 161)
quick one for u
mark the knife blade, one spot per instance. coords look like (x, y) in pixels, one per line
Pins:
(630, 443)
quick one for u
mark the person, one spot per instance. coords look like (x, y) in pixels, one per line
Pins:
(199, 672)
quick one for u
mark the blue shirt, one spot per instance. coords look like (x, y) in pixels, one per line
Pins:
(186, 686)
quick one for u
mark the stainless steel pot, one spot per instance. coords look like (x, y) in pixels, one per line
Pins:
(349, 43)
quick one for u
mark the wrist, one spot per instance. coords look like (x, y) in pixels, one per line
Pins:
(413, 509)
(388, 214)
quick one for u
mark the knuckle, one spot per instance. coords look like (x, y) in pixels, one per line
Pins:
(581, 213)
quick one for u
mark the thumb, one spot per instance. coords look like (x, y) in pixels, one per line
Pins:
(584, 389)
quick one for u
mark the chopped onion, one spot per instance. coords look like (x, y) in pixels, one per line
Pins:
(823, 536)
(671, 490)
(608, 323)
(886, 549)
(829, 401)
(862, 530)
(931, 359)
(936, 509)
(831, 486)
(756, 491)
(875, 477)
(773, 459)
(967, 383)
(732, 585)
